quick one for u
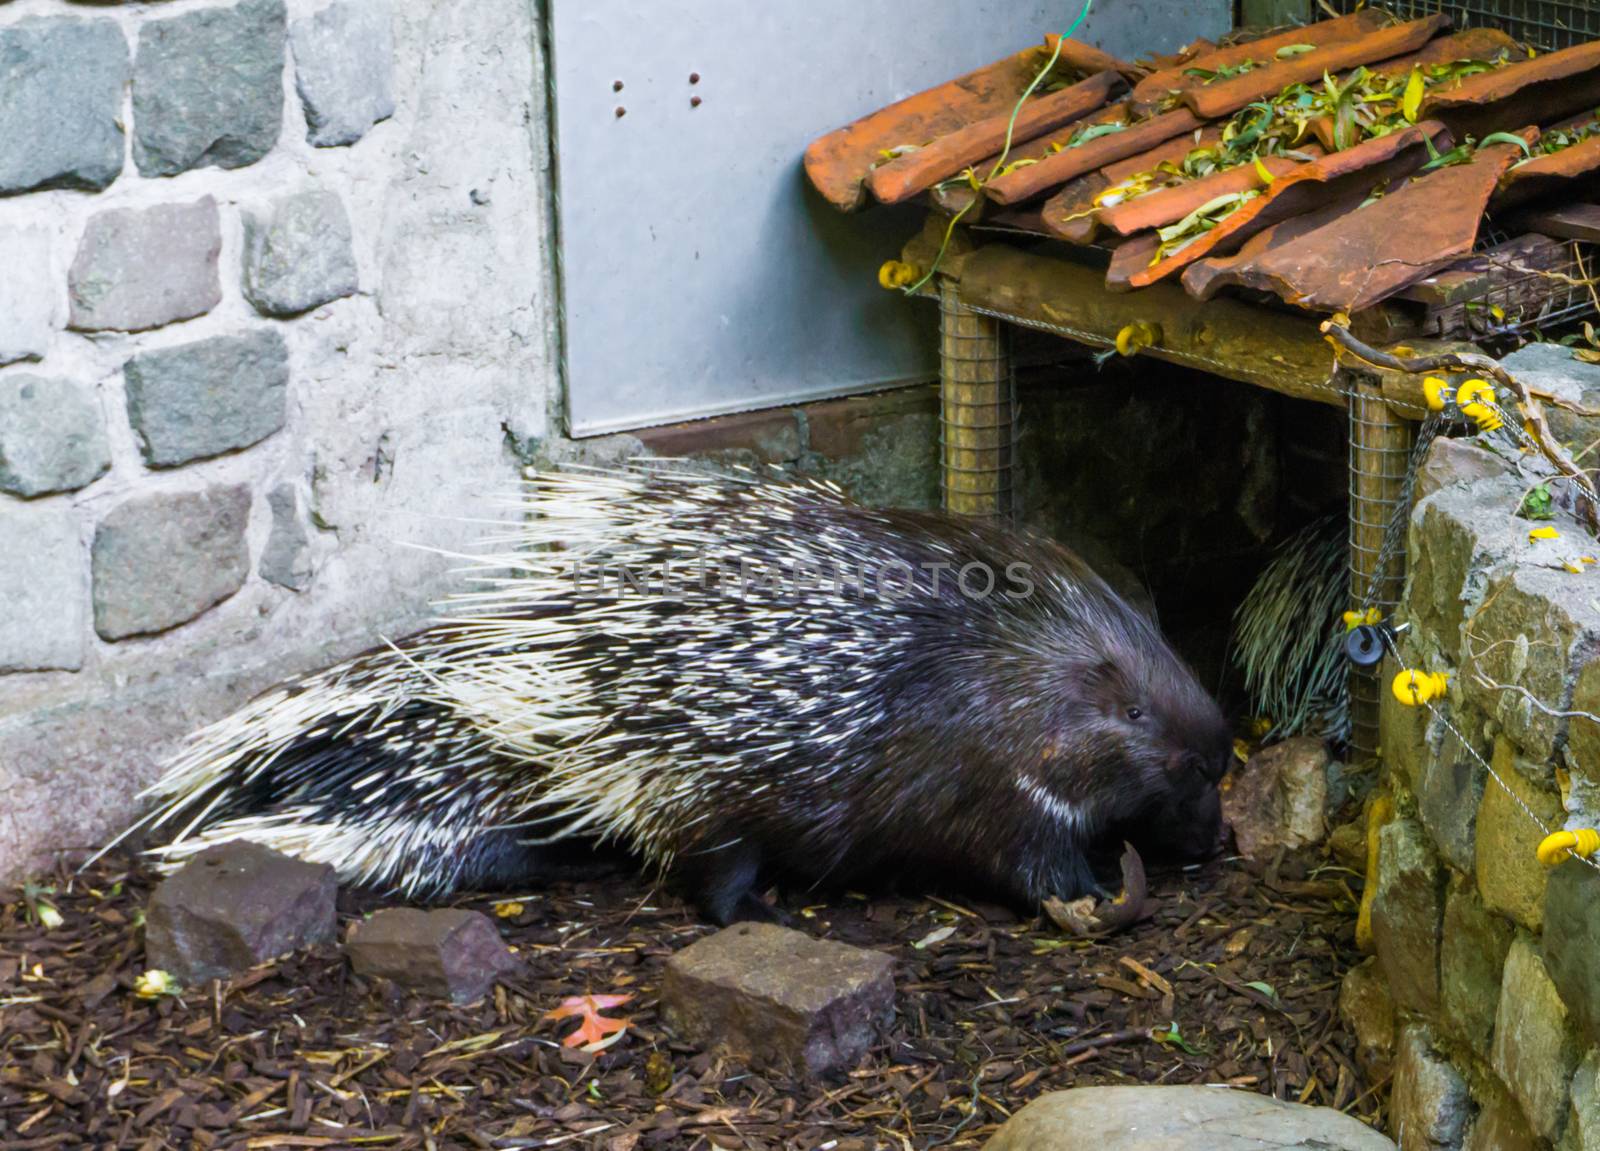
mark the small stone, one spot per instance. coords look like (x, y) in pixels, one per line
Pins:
(61, 104)
(775, 997)
(1347, 845)
(1448, 796)
(344, 69)
(208, 88)
(1172, 1118)
(1452, 461)
(1406, 913)
(1500, 1126)
(298, 254)
(43, 589)
(1472, 962)
(449, 953)
(1279, 799)
(1535, 1051)
(52, 435)
(162, 559)
(286, 560)
(139, 268)
(28, 313)
(212, 396)
(1510, 877)
(1572, 942)
(1367, 1010)
(235, 905)
(1429, 1104)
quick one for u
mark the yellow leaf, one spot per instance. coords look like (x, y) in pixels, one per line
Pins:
(1412, 102)
(1544, 533)
(1264, 172)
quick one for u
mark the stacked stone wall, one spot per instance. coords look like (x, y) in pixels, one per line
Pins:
(1484, 990)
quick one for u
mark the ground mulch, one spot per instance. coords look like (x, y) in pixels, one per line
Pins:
(1233, 980)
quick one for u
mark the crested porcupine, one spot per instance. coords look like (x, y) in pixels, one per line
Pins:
(737, 680)
(1287, 638)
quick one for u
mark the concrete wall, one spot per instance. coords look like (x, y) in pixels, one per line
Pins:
(275, 296)
(1484, 992)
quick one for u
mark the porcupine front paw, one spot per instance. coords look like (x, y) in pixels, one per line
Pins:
(724, 887)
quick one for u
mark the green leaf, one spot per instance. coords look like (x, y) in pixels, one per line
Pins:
(1171, 1038)
(1265, 988)
(1506, 138)
(1411, 104)
(1290, 50)
(1538, 504)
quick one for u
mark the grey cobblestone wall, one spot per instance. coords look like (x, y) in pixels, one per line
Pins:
(275, 299)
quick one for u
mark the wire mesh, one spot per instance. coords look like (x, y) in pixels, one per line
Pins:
(1545, 24)
(978, 410)
(1518, 299)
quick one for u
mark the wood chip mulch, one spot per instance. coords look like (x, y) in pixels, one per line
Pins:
(1234, 980)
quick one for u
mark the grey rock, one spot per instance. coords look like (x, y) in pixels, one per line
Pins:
(43, 589)
(208, 88)
(1429, 1106)
(774, 997)
(1458, 535)
(1472, 963)
(160, 560)
(1367, 1009)
(298, 254)
(61, 104)
(1535, 1051)
(28, 312)
(1448, 796)
(449, 953)
(1174, 1118)
(1572, 942)
(1583, 1118)
(286, 560)
(140, 268)
(1551, 368)
(344, 69)
(1406, 912)
(52, 435)
(1455, 461)
(233, 906)
(208, 397)
(1279, 799)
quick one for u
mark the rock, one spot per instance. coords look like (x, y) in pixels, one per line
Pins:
(298, 255)
(1347, 845)
(1458, 536)
(1448, 796)
(449, 953)
(140, 268)
(212, 396)
(1500, 1126)
(1457, 461)
(43, 590)
(1429, 1106)
(1170, 1118)
(233, 906)
(208, 88)
(1279, 799)
(771, 996)
(1535, 1051)
(1402, 732)
(1510, 877)
(1406, 912)
(61, 104)
(1532, 621)
(1550, 367)
(161, 559)
(1572, 943)
(286, 560)
(344, 69)
(52, 435)
(1368, 1011)
(1583, 738)
(1472, 962)
(1583, 1116)
(28, 313)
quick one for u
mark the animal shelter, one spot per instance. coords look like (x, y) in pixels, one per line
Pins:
(325, 327)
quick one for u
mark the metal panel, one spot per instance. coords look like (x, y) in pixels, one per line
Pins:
(1546, 24)
(700, 274)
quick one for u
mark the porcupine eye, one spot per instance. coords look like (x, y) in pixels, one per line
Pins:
(1135, 713)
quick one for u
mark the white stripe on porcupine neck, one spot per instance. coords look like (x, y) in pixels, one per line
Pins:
(526, 687)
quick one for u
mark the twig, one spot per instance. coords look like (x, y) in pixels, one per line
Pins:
(1527, 406)
(1110, 1039)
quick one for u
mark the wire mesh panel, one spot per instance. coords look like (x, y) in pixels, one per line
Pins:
(1546, 24)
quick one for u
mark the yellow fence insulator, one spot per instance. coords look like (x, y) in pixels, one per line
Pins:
(1584, 841)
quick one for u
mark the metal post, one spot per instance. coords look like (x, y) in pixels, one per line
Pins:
(977, 432)
(1380, 447)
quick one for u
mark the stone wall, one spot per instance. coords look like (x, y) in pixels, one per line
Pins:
(275, 299)
(1484, 990)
